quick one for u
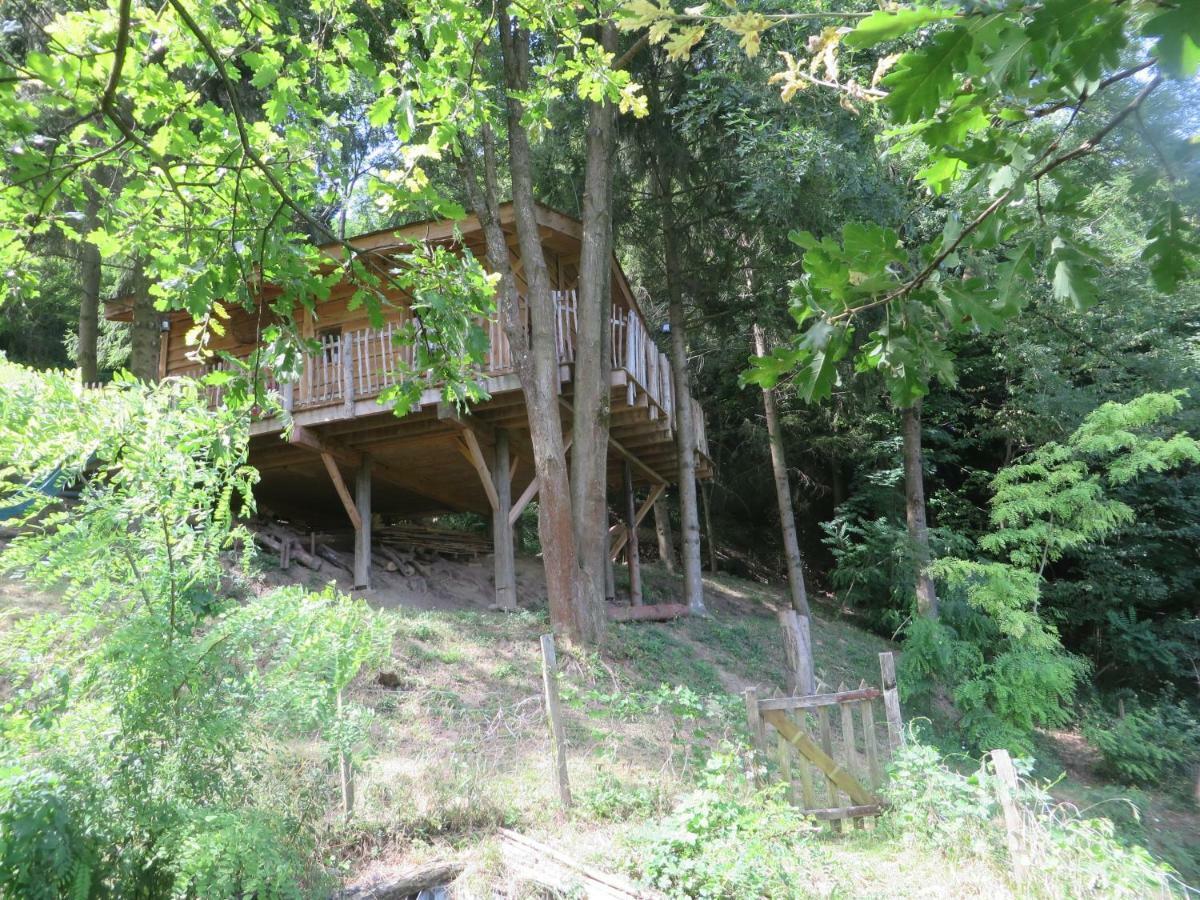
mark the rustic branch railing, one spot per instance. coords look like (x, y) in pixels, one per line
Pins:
(360, 364)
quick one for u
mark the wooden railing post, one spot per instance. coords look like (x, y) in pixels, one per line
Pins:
(347, 372)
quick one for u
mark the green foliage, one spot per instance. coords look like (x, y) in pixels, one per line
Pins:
(609, 799)
(1066, 855)
(136, 726)
(1155, 744)
(726, 840)
(1055, 500)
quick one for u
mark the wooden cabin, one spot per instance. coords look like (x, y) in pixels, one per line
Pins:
(350, 457)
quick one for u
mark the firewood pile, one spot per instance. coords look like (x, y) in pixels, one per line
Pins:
(425, 540)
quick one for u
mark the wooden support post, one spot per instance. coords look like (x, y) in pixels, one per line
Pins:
(621, 534)
(848, 742)
(1006, 790)
(554, 714)
(891, 700)
(362, 532)
(631, 542)
(610, 580)
(502, 529)
(797, 645)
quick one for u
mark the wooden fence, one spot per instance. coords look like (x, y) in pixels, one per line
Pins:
(829, 748)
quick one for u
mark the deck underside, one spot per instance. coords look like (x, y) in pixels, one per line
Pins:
(421, 464)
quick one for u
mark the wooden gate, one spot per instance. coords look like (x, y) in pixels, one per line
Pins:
(830, 748)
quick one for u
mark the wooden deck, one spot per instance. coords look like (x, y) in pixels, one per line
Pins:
(423, 462)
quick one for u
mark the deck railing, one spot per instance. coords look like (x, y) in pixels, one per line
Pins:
(359, 364)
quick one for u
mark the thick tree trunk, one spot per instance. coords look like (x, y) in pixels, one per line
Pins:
(783, 491)
(89, 298)
(914, 503)
(572, 615)
(685, 429)
(593, 359)
(666, 540)
(144, 335)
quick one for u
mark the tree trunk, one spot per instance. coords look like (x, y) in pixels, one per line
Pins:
(632, 554)
(666, 540)
(89, 296)
(593, 359)
(144, 335)
(914, 504)
(535, 352)
(783, 491)
(685, 429)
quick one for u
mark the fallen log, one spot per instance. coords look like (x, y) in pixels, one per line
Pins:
(423, 878)
(275, 545)
(654, 612)
(544, 866)
(328, 553)
(398, 560)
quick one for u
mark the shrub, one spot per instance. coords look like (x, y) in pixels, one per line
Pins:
(726, 840)
(1149, 745)
(1065, 855)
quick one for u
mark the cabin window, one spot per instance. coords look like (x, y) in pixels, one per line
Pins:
(331, 345)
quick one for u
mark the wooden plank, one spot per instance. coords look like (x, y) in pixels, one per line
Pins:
(342, 491)
(554, 714)
(654, 612)
(815, 701)
(846, 812)
(825, 735)
(822, 760)
(866, 712)
(891, 700)
(806, 782)
(849, 750)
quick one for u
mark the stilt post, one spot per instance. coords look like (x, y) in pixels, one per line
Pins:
(362, 534)
(631, 543)
(502, 529)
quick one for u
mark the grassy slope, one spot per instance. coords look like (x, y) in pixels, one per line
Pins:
(464, 746)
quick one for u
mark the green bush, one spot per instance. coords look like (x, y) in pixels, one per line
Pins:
(142, 711)
(1149, 745)
(726, 840)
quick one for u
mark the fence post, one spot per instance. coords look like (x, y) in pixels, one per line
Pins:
(1006, 790)
(797, 645)
(554, 714)
(891, 700)
(754, 721)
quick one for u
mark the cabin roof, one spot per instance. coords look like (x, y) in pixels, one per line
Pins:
(559, 232)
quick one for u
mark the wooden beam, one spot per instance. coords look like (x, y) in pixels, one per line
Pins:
(474, 454)
(343, 492)
(531, 490)
(621, 535)
(654, 477)
(632, 553)
(654, 612)
(822, 760)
